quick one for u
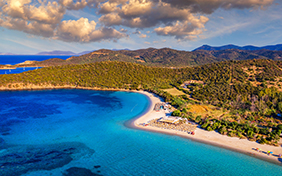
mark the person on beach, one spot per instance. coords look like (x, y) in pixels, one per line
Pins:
(268, 152)
(279, 156)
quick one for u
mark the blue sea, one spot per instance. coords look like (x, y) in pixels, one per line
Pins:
(83, 132)
(15, 59)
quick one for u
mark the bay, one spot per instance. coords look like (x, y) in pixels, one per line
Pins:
(65, 132)
(16, 59)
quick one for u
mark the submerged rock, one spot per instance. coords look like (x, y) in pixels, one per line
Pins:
(75, 171)
(22, 159)
(2, 143)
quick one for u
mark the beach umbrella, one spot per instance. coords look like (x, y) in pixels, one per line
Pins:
(271, 152)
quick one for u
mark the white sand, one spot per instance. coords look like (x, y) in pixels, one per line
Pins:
(213, 138)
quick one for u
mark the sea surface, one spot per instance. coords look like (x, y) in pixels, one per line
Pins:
(16, 59)
(66, 132)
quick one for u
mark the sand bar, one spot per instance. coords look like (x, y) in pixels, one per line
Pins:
(209, 137)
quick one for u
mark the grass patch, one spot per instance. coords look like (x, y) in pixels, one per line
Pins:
(205, 110)
(174, 92)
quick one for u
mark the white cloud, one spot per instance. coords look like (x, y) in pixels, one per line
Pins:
(209, 6)
(136, 8)
(108, 7)
(50, 12)
(187, 30)
(143, 36)
(83, 30)
(111, 19)
(182, 19)
(123, 30)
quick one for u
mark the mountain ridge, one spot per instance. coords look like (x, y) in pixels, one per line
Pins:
(164, 57)
(277, 47)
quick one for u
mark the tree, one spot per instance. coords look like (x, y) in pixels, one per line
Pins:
(176, 113)
(279, 106)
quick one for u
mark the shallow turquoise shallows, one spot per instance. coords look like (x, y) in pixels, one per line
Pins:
(66, 132)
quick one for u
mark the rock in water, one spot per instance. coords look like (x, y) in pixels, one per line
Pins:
(22, 159)
(75, 171)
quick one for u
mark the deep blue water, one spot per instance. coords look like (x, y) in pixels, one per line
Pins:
(17, 70)
(65, 132)
(15, 59)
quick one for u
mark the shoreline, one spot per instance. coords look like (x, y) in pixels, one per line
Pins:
(22, 87)
(243, 146)
(211, 138)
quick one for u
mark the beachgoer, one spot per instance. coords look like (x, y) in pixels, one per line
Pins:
(268, 152)
(257, 149)
(279, 155)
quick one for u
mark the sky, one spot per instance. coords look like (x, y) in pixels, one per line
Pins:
(32, 26)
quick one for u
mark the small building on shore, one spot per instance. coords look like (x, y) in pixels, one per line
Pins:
(170, 120)
(161, 106)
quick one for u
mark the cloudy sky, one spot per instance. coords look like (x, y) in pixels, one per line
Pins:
(31, 26)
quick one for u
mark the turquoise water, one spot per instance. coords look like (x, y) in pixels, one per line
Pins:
(65, 132)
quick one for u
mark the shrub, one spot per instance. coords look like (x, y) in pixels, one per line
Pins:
(279, 127)
(262, 141)
(209, 128)
(198, 119)
(176, 113)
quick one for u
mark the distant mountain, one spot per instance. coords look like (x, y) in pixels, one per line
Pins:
(70, 53)
(84, 52)
(6, 53)
(121, 49)
(277, 47)
(56, 52)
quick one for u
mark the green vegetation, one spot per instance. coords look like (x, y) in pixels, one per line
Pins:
(233, 104)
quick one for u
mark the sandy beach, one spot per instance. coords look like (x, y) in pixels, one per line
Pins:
(209, 137)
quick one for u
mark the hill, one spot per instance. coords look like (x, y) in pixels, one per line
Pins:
(164, 57)
(167, 57)
(277, 47)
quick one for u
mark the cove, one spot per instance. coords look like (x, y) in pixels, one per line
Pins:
(63, 132)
